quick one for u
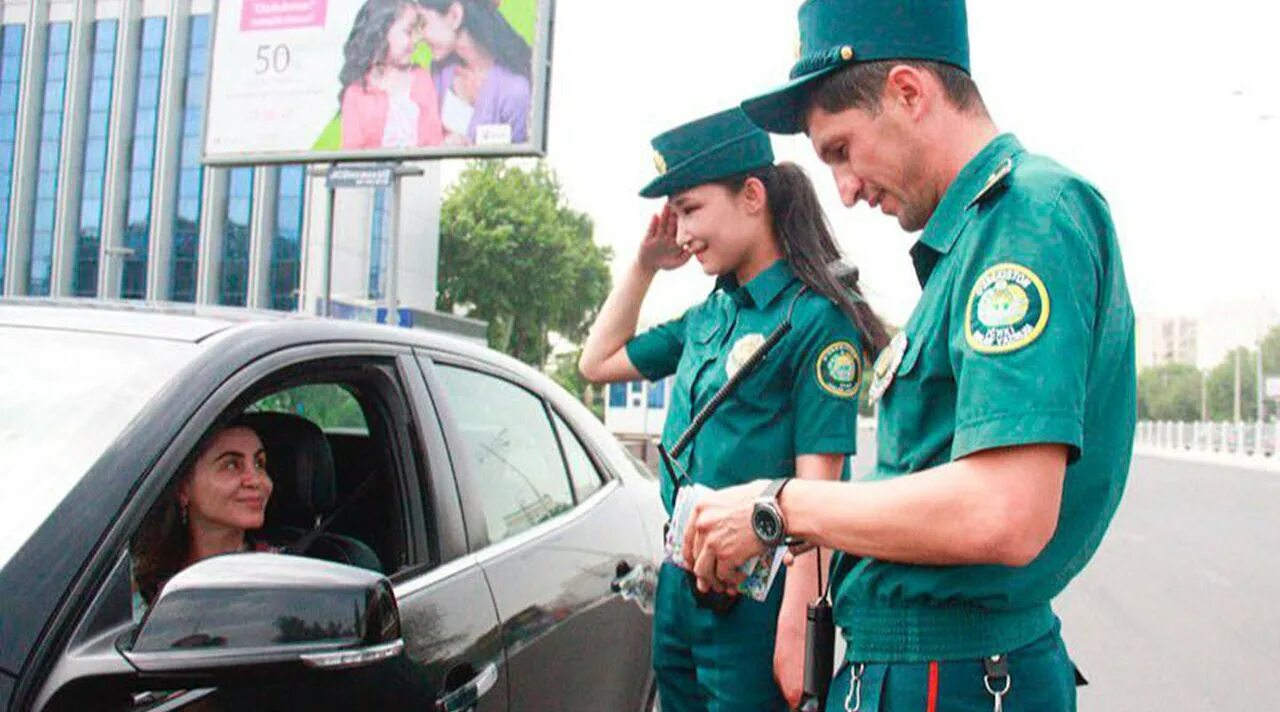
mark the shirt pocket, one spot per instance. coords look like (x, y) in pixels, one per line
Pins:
(915, 414)
(705, 331)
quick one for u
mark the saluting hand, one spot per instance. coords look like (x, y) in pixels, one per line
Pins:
(659, 250)
(718, 538)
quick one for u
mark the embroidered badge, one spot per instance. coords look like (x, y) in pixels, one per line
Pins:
(741, 352)
(886, 366)
(839, 369)
(1008, 310)
(660, 163)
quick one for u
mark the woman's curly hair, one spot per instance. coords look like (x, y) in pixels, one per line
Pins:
(162, 544)
(366, 46)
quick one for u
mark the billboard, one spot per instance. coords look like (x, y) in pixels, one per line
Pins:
(331, 80)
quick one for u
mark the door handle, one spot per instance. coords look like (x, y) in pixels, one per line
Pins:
(465, 697)
(622, 575)
(637, 584)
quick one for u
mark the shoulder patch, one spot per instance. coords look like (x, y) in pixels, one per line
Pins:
(839, 369)
(1008, 310)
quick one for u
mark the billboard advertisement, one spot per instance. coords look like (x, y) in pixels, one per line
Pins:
(332, 80)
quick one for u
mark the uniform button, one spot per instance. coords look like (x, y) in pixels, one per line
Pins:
(846, 53)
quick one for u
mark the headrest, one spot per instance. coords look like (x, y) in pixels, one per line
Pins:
(300, 463)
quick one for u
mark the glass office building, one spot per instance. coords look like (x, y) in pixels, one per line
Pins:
(103, 193)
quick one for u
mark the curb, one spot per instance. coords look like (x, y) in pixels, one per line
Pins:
(1264, 464)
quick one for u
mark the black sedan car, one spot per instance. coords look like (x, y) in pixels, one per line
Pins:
(469, 536)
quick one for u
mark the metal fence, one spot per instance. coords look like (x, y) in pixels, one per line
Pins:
(1253, 439)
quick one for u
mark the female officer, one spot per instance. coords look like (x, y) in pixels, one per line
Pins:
(759, 229)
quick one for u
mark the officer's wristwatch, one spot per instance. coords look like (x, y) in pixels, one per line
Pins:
(766, 516)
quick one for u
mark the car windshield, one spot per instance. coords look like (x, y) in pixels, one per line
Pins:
(64, 398)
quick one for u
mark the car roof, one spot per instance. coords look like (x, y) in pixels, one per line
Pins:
(171, 322)
(200, 324)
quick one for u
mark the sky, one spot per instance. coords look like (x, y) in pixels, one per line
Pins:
(1172, 109)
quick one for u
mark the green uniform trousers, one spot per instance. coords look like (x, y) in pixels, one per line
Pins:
(1041, 679)
(706, 662)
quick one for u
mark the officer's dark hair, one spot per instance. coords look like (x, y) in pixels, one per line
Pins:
(490, 29)
(861, 86)
(809, 247)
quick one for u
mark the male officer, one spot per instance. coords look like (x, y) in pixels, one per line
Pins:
(1007, 403)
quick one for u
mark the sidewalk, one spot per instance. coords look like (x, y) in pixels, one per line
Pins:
(1269, 464)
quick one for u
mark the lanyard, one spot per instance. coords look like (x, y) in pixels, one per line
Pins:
(674, 471)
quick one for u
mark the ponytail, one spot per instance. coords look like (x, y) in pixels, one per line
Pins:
(810, 250)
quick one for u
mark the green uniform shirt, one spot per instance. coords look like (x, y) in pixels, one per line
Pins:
(802, 399)
(1024, 335)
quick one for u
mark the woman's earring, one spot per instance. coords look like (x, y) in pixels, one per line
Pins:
(183, 508)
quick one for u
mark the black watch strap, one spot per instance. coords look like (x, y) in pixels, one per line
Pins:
(774, 490)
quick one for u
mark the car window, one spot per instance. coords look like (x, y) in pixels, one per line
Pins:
(516, 462)
(583, 472)
(64, 398)
(359, 461)
(329, 405)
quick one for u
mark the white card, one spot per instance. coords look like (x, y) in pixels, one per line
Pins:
(456, 114)
(760, 570)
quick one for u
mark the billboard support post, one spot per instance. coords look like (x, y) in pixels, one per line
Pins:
(398, 172)
(331, 199)
(365, 176)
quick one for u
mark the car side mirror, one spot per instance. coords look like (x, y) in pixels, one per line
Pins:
(262, 613)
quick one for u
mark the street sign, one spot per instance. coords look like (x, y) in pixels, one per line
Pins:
(1273, 387)
(361, 175)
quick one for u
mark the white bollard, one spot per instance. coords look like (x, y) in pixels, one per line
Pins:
(1240, 438)
(1259, 447)
(1177, 436)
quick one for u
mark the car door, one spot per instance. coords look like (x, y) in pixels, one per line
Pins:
(449, 623)
(554, 545)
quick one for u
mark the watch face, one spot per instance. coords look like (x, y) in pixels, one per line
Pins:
(767, 526)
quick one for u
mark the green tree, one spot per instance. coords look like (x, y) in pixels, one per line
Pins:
(1222, 386)
(514, 254)
(565, 372)
(1170, 392)
(329, 405)
(1222, 381)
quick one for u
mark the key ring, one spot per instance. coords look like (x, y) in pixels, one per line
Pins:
(854, 697)
(996, 668)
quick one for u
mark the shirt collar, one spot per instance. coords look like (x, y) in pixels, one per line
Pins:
(762, 289)
(980, 174)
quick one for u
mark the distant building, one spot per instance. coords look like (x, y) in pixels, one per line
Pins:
(103, 194)
(637, 408)
(1164, 340)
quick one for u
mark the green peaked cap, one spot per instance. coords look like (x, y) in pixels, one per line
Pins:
(836, 33)
(713, 147)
